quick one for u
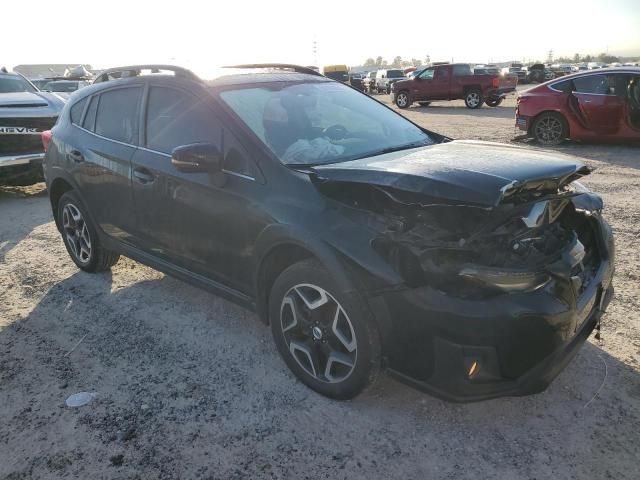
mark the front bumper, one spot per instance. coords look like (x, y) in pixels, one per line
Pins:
(520, 341)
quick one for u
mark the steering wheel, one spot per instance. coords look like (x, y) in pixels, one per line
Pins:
(335, 132)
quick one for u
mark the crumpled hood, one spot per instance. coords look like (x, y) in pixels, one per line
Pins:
(476, 172)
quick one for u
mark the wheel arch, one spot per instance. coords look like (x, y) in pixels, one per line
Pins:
(279, 247)
(58, 187)
(468, 88)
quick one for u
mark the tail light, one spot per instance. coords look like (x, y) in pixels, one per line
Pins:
(46, 138)
(495, 82)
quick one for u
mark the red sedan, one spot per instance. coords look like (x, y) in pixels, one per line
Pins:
(598, 105)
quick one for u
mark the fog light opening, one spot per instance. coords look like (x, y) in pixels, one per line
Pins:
(473, 369)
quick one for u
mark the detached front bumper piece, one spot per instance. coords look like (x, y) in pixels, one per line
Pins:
(512, 344)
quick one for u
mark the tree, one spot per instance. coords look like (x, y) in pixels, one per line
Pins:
(416, 62)
(379, 61)
(397, 62)
(369, 62)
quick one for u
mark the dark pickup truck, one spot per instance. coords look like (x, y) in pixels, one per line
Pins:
(452, 82)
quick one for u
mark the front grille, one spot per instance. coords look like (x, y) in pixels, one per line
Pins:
(23, 144)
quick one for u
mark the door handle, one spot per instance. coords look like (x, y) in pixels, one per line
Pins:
(142, 175)
(75, 156)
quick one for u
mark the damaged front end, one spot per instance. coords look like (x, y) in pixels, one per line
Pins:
(496, 299)
(472, 251)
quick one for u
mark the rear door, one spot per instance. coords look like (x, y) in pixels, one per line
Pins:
(601, 108)
(441, 84)
(99, 158)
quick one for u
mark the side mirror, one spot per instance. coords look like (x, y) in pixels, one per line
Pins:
(197, 158)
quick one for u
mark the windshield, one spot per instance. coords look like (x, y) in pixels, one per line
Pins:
(15, 84)
(322, 122)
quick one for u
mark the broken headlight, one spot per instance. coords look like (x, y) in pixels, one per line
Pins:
(505, 280)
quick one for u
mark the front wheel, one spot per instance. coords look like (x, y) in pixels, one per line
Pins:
(402, 100)
(550, 129)
(493, 102)
(473, 99)
(325, 336)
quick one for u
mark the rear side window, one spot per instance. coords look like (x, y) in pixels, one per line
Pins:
(117, 115)
(461, 70)
(176, 118)
(442, 72)
(90, 118)
(76, 111)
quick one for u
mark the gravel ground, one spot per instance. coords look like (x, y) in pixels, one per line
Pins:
(190, 386)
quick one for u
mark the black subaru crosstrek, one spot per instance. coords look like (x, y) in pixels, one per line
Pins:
(468, 269)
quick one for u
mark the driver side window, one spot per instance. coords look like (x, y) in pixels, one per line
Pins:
(176, 118)
(427, 74)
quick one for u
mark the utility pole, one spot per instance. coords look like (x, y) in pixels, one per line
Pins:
(550, 56)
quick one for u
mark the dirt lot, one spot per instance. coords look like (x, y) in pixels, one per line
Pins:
(190, 386)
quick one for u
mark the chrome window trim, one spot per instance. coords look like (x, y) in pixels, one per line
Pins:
(105, 138)
(550, 86)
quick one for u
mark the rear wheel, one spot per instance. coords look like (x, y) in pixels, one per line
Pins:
(473, 98)
(325, 336)
(550, 129)
(493, 102)
(402, 100)
(80, 237)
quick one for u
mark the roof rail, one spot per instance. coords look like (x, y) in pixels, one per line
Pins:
(279, 66)
(134, 71)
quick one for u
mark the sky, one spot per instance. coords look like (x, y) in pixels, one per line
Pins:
(203, 35)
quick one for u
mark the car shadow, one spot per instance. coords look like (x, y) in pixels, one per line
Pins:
(170, 362)
(22, 209)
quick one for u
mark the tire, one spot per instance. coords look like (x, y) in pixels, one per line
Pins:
(550, 129)
(493, 103)
(473, 98)
(402, 100)
(325, 336)
(424, 104)
(80, 236)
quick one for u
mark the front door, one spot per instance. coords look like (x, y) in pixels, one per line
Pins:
(198, 221)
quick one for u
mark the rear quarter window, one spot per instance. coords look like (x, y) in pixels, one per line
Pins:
(77, 110)
(89, 121)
